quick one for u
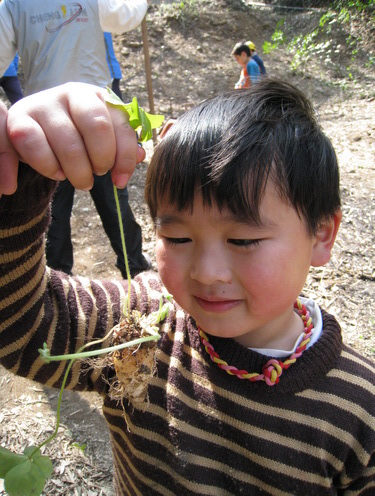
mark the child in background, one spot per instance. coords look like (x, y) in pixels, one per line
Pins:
(250, 73)
(256, 57)
(254, 391)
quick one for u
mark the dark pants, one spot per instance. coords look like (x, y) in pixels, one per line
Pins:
(116, 87)
(59, 249)
(12, 87)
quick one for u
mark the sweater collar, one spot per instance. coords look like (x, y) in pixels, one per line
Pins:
(313, 365)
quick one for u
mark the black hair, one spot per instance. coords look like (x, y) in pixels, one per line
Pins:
(241, 47)
(227, 147)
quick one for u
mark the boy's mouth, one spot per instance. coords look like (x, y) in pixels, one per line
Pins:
(216, 305)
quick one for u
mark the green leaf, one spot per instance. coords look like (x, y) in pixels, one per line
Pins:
(24, 475)
(24, 480)
(43, 462)
(82, 447)
(8, 460)
(138, 118)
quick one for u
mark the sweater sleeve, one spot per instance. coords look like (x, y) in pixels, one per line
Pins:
(39, 305)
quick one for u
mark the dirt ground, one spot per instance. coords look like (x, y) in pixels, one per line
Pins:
(190, 60)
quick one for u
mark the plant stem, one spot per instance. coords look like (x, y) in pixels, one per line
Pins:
(128, 276)
(58, 410)
(87, 354)
(84, 354)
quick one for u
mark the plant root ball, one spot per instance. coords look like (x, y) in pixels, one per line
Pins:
(135, 365)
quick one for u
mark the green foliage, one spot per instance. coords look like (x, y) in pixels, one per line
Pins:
(354, 5)
(327, 20)
(278, 38)
(24, 475)
(371, 60)
(318, 43)
(81, 447)
(138, 118)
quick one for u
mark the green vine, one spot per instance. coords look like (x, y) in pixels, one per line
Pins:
(128, 277)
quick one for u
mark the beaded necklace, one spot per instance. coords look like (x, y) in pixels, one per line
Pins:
(273, 369)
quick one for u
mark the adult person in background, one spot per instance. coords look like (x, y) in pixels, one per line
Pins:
(113, 64)
(250, 73)
(255, 56)
(10, 82)
(60, 43)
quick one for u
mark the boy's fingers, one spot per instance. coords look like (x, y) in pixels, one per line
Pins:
(110, 141)
(70, 132)
(49, 130)
(8, 157)
(47, 133)
(27, 123)
(128, 153)
(93, 120)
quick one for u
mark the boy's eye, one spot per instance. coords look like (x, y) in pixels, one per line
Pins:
(244, 242)
(176, 241)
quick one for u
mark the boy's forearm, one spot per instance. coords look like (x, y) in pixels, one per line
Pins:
(24, 217)
(38, 304)
(30, 199)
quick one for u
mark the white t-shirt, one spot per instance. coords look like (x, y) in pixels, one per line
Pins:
(60, 43)
(317, 320)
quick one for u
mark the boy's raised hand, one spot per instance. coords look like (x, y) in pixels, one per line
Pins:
(70, 132)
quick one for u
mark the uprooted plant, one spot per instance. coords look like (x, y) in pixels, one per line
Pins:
(131, 353)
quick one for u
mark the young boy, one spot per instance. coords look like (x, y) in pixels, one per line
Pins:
(254, 391)
(250, 73)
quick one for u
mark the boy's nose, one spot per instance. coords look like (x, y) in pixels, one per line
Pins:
(210, 266)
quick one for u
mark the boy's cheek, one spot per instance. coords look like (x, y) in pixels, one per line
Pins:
(169, 269)
(169, 276)
(163, 261)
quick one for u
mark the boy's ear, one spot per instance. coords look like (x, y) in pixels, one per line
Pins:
(325, 239)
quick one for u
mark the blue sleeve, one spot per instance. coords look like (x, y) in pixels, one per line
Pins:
(113, 64)
(13, 67)
(259, 61)
(253, 71)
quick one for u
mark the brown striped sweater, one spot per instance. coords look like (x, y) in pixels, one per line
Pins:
(203, 431)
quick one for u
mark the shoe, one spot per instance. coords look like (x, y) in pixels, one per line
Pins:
(147, 257)
(147, 265)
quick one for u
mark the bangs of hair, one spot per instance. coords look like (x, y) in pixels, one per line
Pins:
(195, 157)
(228, 147)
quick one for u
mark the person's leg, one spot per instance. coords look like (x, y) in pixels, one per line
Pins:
(12, 88)
(59, 247)
(116, 87)
(103, 197)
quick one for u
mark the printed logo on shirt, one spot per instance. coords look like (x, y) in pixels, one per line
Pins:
(67, 14)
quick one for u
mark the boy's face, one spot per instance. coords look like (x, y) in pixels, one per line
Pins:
(236, 279)
(242, 58)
